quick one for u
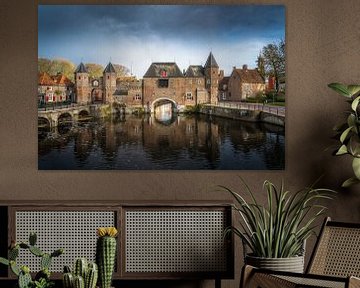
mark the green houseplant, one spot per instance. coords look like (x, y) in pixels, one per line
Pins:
(279, 229)
(349, 132)
(106, 254)
(42, 278)
(84, 274)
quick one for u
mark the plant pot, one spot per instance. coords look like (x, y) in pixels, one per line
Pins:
(291, 264)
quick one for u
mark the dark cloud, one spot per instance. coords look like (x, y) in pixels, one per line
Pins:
(141, 33)
(173, 21)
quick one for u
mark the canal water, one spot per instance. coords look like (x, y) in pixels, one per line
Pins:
(180, 142)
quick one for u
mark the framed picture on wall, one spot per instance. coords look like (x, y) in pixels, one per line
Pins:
(161, 87)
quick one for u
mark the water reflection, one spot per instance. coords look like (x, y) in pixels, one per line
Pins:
(164, 113)
(180, 142)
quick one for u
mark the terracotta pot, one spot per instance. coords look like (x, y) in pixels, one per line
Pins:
(291, 264)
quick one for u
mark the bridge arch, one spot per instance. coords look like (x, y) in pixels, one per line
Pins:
(84, 113)
(160, 100)
(44, 122)
(65, 118)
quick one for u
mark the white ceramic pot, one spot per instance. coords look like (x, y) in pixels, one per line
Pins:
(291, 264)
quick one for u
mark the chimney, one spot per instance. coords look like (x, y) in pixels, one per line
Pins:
(234, 67)
(245, 67)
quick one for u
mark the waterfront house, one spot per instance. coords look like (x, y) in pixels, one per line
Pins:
(245, 83)
(54, 89)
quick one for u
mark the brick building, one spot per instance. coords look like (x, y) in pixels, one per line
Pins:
(164, 82)
(54, 89)
(244, 83)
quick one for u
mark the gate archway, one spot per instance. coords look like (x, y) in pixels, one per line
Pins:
(97, 96)
(164, 109)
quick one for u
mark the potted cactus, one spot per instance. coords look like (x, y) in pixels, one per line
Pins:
(42, 278)
(84, 275)
(106, 254)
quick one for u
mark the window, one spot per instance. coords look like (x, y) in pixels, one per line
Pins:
(199, 81)
(189, 96)
(163, 83)
(137, 96)
(208, 81)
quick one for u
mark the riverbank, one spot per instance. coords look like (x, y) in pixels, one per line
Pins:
(255, 115)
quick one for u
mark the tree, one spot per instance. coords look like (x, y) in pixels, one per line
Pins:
(121, 70)
(63, 66)
(44, 65)
(274, 60)
(95, 70)
(55, 66)
(261, 65)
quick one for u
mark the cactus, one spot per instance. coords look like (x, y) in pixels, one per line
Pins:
(68, 280)
(67, 269)
(79, 282)
(91, 276)
(4, 261)
(43, 274)
(57, 253)
(42, 278)
(24, 280)
(80, 267)
(14, 268)
(32, 238)
(45, 261)
(88, 273)
(105, 254)
(13, 253)
(36, 251)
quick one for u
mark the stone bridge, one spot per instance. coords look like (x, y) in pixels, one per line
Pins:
(72, 113)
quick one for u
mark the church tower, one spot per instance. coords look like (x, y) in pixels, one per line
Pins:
(211, 70)
(109, 80)
(82, 87)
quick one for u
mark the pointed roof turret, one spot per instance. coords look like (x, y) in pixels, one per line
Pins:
(211, 62)
(109, 68)
(81, 68)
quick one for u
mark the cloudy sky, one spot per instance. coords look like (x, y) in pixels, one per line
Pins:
(136, 35)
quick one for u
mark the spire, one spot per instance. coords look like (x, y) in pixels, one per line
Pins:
(81, 68)
(211, 62)
(109, 68)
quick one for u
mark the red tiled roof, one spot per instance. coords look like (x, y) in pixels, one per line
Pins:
(250, 76)
(45, 79)
(61, 79)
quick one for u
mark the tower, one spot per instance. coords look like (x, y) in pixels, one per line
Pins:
(82, 87)
(211, 70)
(109, 80)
